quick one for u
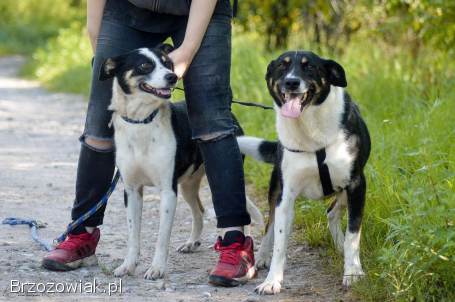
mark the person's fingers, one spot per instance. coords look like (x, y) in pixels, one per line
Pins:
(180, 69)
(174, 55)
(181, 62)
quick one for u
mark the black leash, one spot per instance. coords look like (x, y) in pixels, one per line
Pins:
(243, 103)
(251, 104)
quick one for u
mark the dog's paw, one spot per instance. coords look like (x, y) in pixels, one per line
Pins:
(352, 276)
(155, 272)
(269, 287)
(125, 269)
(189, 247)
(263, 261)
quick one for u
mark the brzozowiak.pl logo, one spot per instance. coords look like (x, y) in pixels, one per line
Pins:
(91, 287)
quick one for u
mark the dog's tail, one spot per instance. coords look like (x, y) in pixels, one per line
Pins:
(255, 213)
(258, 148)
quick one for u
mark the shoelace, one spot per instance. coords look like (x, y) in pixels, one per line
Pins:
(74, 241)
(228, 254)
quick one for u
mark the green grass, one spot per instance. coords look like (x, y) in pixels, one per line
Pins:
(63, 63)
(408, 237)
(27, 24)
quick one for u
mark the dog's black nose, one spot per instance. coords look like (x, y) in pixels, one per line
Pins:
(292, 83)
(171, 78)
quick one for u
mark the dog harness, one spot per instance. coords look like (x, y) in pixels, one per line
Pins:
(324, 173)
(147, 120)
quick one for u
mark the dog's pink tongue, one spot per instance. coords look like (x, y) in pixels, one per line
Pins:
(291, 108)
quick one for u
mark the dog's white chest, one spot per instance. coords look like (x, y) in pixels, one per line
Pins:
(145, 154)
(301, 172)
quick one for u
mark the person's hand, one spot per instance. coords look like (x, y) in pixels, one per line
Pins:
(181, 57)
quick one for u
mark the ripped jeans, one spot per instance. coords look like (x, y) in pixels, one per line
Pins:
(208, 95)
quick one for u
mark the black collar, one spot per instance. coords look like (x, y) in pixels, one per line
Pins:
(147, 120)
(324, 173)
(295, 150)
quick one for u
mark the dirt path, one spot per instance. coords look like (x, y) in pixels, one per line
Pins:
(38, 154)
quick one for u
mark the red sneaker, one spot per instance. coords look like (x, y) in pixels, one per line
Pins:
(236, 263)
(74, 252)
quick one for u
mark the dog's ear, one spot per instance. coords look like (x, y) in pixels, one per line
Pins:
(108, 69)
(166, 48)
(270, 69)
(336, 74)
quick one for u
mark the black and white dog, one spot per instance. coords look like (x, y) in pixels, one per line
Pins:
(322, 150)
(154, 147)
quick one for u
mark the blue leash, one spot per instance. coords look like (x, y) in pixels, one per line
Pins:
(90, 212)
(34, 225)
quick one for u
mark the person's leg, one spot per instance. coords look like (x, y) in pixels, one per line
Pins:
(96, 166)
(97, 159)
(224, 169)
(208, 95)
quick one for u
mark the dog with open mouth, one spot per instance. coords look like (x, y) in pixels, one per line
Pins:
(322, 150)
(154, 148)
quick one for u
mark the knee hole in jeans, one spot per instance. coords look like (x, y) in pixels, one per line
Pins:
(213, 137)
(99, 144)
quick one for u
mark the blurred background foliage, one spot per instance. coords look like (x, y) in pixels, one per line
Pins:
(26, 24)
(333, 23)
(399, 57)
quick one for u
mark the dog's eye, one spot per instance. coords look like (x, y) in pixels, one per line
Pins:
(309, 67)
(169, 65)
(283, 64)
(146, 67)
